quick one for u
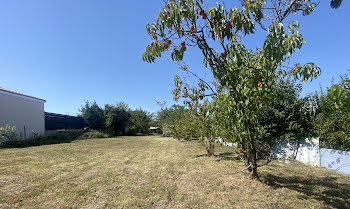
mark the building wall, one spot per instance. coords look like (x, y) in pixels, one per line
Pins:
(24, 113)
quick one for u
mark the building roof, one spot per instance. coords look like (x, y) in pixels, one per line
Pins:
(9, 92)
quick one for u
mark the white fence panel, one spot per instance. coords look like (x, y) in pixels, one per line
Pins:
(306, 151)
(335, 160)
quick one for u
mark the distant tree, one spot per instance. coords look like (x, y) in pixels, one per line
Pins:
(168, 117)
(117, 118)
(139, 121)
(93, 115)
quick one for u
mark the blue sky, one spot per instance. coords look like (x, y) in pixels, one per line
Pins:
(68, 51)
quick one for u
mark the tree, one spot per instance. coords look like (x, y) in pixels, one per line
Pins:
(168, 117)
(117, 118)
(139, 121)
(288, 115)
(332, 121)
(93, 115)
(245, 77)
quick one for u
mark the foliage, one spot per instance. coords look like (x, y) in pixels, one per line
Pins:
(186, 127)
(93, 115)
(8, 132)
(332, 121)
(336, 3)
(244, 77)
(117, 118)
(169, 117)
(139, 121)
(288, 115)
(93, 134)
(60, 137)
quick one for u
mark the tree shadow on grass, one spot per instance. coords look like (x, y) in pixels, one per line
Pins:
(326, 189)
(221, 156)
(228, 156)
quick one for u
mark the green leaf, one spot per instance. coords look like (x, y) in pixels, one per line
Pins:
(336, 3)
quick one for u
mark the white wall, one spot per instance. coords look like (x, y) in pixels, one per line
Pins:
(21, 112)
(336, 160)
(306, 151)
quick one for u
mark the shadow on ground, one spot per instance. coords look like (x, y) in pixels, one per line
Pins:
(228, 156)
(221, 156)
(326, 189)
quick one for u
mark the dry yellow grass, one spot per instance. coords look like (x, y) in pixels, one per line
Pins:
(156, 172)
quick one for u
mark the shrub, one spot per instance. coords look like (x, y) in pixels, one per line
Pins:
(139, 122)
(61, 137)
(93, 135)
(9, 133)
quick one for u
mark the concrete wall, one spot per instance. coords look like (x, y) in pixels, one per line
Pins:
(21, 112)
(306, 151)
(335, 160)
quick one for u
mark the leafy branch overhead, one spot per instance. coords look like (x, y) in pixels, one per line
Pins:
(187, 23)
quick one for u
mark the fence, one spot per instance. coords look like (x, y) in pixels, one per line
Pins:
(308, 151)
(335, 160)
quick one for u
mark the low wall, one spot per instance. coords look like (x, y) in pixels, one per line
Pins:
(335, 160)
(223, 143)
(306, 151)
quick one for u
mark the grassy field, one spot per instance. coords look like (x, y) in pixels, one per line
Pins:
(156, 172)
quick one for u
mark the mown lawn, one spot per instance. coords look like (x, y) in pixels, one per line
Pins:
(156, 172)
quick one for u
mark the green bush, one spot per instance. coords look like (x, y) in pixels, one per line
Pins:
(93, 135)
(139, 122)
(8, 132)
(61, 137)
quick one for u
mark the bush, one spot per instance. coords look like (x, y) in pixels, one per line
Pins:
(93, 135)
(60, 137)
(139, 122)
(8, 132)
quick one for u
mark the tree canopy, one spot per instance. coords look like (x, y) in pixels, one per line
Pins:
(244, 78)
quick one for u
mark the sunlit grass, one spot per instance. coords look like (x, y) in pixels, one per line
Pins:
(156, 172)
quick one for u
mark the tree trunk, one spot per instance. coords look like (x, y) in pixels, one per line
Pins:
(210, 146)
(254, 164)
(245, 156)
(253, 154)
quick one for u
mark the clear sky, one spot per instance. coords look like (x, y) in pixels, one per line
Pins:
(68, 51)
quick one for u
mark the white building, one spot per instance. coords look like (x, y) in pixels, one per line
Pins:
(24, 112)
